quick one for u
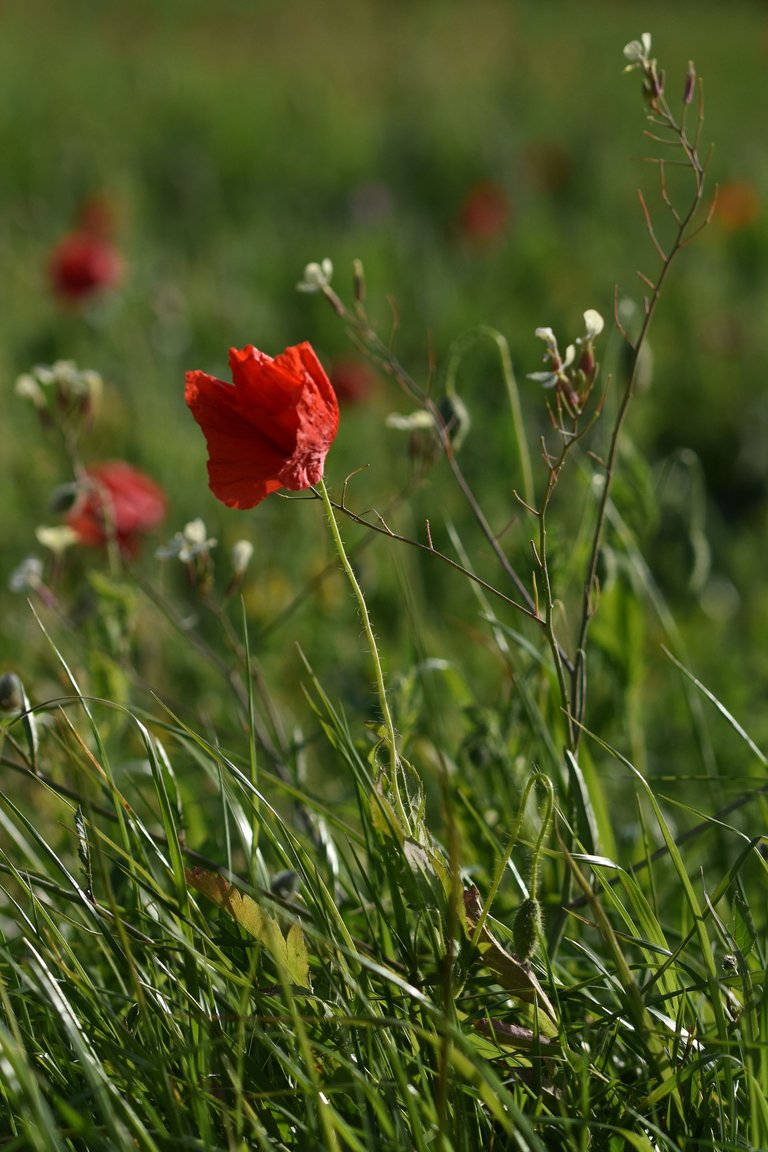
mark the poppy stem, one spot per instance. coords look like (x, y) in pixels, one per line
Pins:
(390, 738)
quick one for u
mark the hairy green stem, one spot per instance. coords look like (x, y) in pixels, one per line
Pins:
(381, 690)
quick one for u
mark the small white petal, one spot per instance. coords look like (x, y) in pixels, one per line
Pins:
(594, 323)
(194, 531)
(242, 551)
(548, 379)
(634, 52)
(28, 388)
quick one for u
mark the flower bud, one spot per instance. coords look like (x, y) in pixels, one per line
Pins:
(316, 276)
(11, 693)
(690, 83)
(63, 497)
(285, 884)
(527, 927)
(456, 419)
(587, 363)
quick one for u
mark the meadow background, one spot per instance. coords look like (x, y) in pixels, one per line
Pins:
(235, 144)
(237, 141)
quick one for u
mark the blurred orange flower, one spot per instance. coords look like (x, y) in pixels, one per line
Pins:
(116, 501)
(738, 205)
(272, 428)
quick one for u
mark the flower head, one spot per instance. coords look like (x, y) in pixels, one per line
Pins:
(192, 541)
(61, 390)
(115, 501)
(272, 428)
(637, 52)
(573, 374)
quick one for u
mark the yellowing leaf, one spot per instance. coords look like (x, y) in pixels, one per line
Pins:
(290, 954)
(297, 955)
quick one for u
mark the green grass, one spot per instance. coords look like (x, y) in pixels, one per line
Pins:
(238, 909)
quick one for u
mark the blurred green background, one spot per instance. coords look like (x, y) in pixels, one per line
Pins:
(237, 141)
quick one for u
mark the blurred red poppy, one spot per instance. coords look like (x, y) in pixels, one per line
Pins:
(352, 380)
(484, 213)
(271, 429)
(82, 264)
(116, 501)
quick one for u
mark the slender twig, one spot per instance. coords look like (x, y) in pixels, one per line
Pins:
(683, 224)
(369, 341)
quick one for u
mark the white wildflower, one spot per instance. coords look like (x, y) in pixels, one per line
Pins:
(192, 541)
(637, 52)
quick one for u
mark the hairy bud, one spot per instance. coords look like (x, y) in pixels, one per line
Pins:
(527, 927)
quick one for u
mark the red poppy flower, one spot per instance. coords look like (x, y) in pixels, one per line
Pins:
(83, 263)
(271, 429)
(116, 501)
